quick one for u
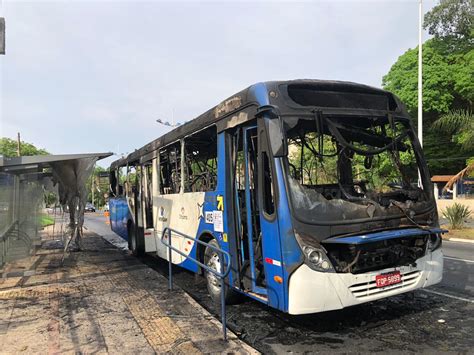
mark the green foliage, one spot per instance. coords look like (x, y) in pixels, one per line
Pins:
(310, 169)
(448, 85)
(45, 220)
(447, 79)
(456, 215)
(451, 22)
(50, 199)
(8, 148)
(100, 185)
(460, 125)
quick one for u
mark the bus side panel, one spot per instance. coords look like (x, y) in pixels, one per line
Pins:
(206, 226)
(181, 212)
(214, 205)
(291, 251)
(119, 216)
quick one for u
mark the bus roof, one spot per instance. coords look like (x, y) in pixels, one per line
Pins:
(248, 100)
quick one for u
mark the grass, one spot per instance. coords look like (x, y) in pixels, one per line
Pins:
(465, 233)
(45, 220)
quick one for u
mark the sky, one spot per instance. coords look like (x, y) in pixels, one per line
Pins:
(93, 76)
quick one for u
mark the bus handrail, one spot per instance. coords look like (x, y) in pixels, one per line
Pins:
(166, 234)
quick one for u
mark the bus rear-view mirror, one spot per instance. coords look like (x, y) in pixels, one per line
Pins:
(274, 127)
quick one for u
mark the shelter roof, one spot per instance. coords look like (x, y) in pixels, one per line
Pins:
(19, 165)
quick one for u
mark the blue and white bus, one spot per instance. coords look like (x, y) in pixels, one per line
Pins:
(318, 190)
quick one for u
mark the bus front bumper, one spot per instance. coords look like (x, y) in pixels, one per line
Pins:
(311, 291)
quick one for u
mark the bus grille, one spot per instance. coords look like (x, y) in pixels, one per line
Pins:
(367, 289)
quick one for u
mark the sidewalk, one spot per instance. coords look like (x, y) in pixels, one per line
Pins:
(101, 300)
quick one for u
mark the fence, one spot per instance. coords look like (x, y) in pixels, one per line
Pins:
(21, 198)
(222, 274)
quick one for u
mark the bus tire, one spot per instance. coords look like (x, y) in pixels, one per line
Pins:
(136, 242)
(211, 259)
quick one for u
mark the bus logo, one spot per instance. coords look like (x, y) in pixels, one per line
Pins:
(182, 214)
(161, 214)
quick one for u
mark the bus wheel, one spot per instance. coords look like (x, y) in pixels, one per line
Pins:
(135, 241)
(212, 260)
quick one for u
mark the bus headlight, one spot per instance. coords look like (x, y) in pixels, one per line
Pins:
(314, 255)
(434, 242)
(316, 259)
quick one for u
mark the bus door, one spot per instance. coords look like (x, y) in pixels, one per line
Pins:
(146, 192)
(252, 229)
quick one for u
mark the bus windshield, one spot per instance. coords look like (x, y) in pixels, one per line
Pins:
(344, 168)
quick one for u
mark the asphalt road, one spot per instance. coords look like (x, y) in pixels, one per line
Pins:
(438, 319)
(458, 268)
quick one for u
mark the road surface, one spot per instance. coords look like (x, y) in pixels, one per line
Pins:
(458, 268)
(438, 319)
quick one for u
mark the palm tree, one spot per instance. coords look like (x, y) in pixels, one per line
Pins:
(460, 124)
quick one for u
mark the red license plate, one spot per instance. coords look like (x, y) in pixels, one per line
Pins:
(391, 278)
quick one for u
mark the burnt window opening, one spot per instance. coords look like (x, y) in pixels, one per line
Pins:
(121, 178)
(148, 192)
(201, 161)
(131, 179)
(131, 183)
(113, 183)
(345, 96)
(267, 188)
(170, 169)
(344, 168)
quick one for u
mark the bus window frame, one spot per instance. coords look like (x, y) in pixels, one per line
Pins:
(163, 150)
(263, 146)
(217, 156)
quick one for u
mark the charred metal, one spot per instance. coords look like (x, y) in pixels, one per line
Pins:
(359, 258)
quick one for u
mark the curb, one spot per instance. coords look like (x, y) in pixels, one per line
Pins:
(460, 240)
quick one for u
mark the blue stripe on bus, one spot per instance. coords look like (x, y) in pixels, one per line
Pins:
(384, 235)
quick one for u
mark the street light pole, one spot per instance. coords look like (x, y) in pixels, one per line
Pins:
(167, 124)
(420, 74)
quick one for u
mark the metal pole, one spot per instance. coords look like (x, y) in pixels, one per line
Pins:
(92, 185)
(420, 74)
(18, 145)
(420, 82)
(223, 315)
(170, 271)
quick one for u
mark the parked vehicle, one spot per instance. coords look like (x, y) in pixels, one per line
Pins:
(311, 187)
(89, 207)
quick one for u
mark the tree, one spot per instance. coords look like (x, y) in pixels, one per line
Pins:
(8, 148)
(447, 79)
(460, 125)
(100, 185)
(451, 23)
(448, 69)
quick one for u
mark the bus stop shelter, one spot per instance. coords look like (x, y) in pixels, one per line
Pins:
(23, 184)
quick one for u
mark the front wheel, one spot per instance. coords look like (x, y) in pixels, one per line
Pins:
(212, 260)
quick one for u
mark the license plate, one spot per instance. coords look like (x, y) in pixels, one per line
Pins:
(388, 279)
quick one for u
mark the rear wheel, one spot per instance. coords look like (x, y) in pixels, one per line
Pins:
(212, 260)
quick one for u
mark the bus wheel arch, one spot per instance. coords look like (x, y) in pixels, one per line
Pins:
(231, 296)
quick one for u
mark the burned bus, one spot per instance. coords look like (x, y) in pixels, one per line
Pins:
(318, 190)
